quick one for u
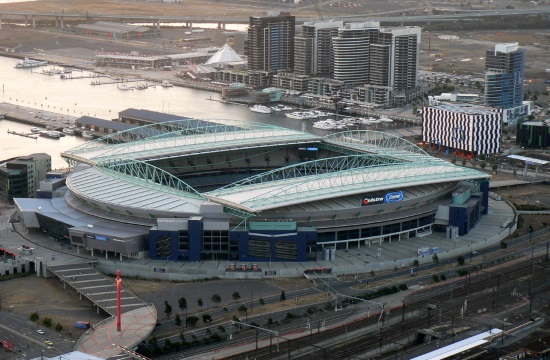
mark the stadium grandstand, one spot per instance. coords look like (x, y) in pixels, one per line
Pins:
(190, 190)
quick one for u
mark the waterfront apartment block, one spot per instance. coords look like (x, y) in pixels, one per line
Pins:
(314, 48)
(270, 43)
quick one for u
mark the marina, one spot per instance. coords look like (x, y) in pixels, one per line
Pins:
(32, 100)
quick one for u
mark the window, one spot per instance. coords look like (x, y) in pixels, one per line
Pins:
(286, 250)
(162, 250)
(259, 248)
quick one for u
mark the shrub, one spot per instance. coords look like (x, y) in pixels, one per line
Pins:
(460, 260)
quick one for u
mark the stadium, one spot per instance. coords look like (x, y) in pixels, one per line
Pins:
(191, 190)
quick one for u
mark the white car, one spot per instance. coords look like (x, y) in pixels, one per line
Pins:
(41, 332)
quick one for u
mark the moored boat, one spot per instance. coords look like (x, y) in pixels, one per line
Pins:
(166, 83)
(29, 63)
(87, 135)
(298, 115)
(68, 131)
(49, 134)
(260, 109)
(36, 129)
(123, 87)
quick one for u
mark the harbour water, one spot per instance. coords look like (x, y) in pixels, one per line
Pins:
(31, 88)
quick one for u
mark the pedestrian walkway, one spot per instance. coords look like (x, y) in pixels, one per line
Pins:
(103, 338)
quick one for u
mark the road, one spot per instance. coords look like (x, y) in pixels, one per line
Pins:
(28, 343)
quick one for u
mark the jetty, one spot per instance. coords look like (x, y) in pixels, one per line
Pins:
(30, 136)
(115, 80)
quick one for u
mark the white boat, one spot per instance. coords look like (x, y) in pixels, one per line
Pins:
(29, 63)
(123, 87)
(166, 83)
(49, 134)
(298, 115)
(68, 131)
(87, 135)
(36, 129)
(284, 107)
(275, 108)
(385, 119)
(260, 109)
(141, 86)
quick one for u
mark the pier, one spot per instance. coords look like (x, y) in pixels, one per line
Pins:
(30, 136)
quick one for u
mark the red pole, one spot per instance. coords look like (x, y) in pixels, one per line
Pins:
(118, 305)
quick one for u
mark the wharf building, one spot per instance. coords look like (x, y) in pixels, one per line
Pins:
(504, 68)
(21, 177)
(190, 190)
(462, 129)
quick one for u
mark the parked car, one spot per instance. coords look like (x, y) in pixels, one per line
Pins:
(41, 332)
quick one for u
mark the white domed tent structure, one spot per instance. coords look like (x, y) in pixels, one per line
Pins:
(224, 55)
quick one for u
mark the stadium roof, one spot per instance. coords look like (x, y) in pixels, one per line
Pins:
(185, 137)
(375, 162)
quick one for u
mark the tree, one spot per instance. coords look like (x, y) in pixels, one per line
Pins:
(206, 318)
(216, 299)
(463, 162)
(34, 317)
(435, 258)
(262, 302)
(283, 296)
(167, 308)
(495, 168)
(47, 322)
(58, 327)
(482, 165)
(242, 308)
(182, 303)
(460, 260)
(236, 296)
(199, 302)
(192, 320)
(177, 319)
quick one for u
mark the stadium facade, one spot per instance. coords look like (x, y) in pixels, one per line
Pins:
(190, 190)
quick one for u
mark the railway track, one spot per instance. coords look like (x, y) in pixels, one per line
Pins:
(471, 297)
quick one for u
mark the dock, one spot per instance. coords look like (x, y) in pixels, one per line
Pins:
(115, 80)
(34, 117)
(30, 136)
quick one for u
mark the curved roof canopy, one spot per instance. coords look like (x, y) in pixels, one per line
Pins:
(183, 137)
(377, 161)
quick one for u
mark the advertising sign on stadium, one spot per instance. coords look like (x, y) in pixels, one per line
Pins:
(387, 198)
(394, 196)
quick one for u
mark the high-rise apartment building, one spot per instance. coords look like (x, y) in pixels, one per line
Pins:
(372, 64)
(351, 52)
(393, 66)
(313, 48)
(20, 178)
(270, 43)
(504, 67)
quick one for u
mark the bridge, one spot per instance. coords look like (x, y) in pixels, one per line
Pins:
(61, 17)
